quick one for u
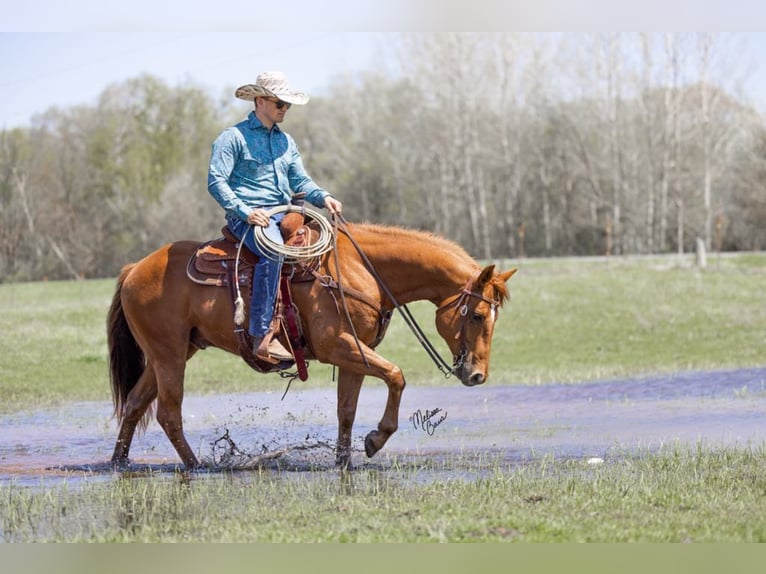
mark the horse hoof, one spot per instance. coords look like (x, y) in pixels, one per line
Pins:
(120, 464)
(369, 446)
(343, 460)
(343, 463)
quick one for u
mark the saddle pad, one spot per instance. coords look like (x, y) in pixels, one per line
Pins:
(211, 262)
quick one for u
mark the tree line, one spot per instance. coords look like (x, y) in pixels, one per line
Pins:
(513, 145)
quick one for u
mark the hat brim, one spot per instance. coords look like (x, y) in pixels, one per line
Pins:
(249, 92)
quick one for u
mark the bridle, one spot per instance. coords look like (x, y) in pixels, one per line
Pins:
(459, 302)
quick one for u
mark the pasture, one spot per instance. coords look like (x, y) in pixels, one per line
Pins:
(675, 496)
(568, 321)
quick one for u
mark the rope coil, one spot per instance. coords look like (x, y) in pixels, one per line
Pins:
(288, 253)
(280, 252)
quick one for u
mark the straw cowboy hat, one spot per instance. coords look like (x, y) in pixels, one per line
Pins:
(271, 85)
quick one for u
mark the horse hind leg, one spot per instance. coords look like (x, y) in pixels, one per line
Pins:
(138, 402)
(169, 399)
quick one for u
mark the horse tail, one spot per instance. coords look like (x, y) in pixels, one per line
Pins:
(126, 359)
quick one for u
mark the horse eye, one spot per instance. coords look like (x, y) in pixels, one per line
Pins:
(477, 318)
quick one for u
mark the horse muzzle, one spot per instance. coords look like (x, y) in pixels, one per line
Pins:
(470, 376)
(475, 379)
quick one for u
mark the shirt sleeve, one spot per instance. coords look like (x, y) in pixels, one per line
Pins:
(223, 157)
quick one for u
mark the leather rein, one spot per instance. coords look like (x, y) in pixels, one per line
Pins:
(459, 302)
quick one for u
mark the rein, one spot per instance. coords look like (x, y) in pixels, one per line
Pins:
(443, 366)
(336, 224)
(459, 302)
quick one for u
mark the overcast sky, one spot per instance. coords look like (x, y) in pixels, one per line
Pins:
(69, 69)
(55, 53)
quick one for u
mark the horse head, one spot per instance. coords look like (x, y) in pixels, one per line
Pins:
(466, 321)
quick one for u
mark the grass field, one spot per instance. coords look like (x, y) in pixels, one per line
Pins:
(568, 320)
(674, 496)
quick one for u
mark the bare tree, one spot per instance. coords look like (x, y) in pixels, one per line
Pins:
(704, 47)
(648, 114)
(612, 142)
(509, 136)
(671, 133)
(613, 71)
(453, 74)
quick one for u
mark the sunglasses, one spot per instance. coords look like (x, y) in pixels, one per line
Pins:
(280, 104)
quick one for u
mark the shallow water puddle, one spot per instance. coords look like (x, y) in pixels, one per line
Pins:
(448, 427)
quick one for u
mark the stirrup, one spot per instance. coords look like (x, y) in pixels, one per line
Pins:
(270, 350)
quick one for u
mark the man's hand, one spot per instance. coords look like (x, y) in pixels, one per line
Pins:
(334, 206)
(258, 217)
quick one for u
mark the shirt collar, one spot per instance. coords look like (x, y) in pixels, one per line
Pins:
(254, 123)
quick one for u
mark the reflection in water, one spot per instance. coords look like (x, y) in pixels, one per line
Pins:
(485, 424)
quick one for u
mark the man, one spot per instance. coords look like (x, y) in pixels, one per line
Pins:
(255, 166)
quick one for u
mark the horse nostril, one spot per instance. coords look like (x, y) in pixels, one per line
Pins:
(477, 379)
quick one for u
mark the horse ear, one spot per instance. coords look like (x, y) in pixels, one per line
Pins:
(505, 275)
(486, 275)
(489, 271)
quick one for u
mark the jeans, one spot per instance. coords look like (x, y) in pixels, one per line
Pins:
(265, 275)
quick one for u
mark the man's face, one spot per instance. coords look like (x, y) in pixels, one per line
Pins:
(274, 110)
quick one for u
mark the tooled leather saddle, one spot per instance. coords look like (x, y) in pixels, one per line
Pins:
(214, 263)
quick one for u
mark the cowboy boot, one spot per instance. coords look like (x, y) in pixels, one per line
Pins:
(270, 350)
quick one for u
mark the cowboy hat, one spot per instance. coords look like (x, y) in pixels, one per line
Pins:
(273, 85)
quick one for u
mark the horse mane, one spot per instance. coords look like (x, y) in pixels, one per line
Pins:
(395, 233)
(432, 239)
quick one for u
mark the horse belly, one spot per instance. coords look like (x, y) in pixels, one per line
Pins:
(212, 316)
(324, 321)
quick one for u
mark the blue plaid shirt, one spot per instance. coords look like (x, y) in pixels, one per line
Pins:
(252, 167)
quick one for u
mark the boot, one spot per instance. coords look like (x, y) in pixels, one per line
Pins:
(269, 349)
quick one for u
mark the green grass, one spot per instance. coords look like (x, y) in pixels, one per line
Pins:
(678, 495)
(629, 317)
(568, 320)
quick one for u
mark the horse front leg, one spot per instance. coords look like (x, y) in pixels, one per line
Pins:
(375, 440)
(346, 356)
(349, 385)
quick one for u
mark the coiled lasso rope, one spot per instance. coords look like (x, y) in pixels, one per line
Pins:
(280, 252)
(289, 253)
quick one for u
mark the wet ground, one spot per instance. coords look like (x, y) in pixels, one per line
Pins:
(599, 420)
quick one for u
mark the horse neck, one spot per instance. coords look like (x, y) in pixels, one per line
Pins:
(415, 266)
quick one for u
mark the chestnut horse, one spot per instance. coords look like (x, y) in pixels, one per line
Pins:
(159, 319)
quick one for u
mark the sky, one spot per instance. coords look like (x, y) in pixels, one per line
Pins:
(41, 70)
(63, 54)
